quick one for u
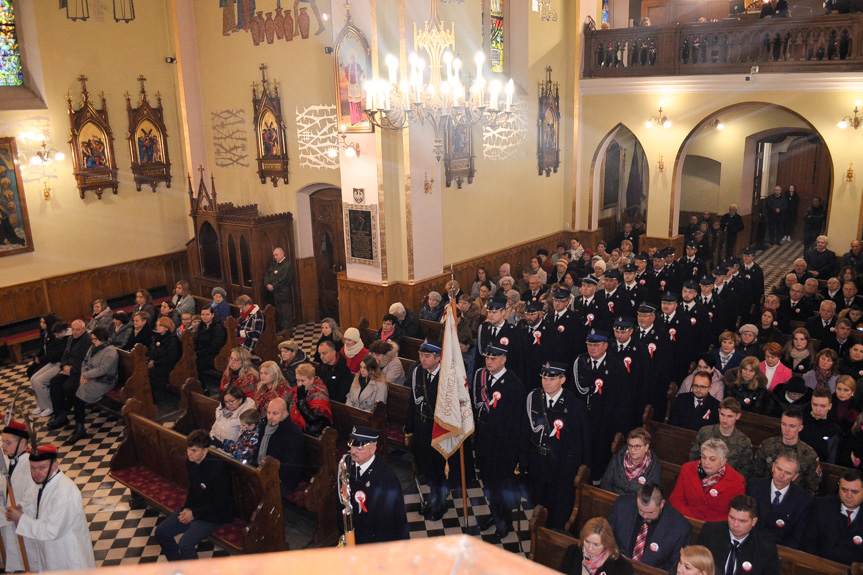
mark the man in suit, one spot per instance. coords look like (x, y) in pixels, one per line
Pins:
(702, 324)
(647, 530)
(279, 281)
(753, 275)
(570, 328)
(820, 260)
(840, 340)
(732, 224)
(697, 408)
(627, 234)
(849, 296)
(587, 306)
(498, 404)
(496, 330)
(537, 341)
(824, 324)
(679, 328)
(534, 289)
(854, 257)
(636, 292)
(795, 307)
(612, 302)
(783, 507)
(835, 524)
(737, 548)
(636, 360)
(689, 267)
(655, 339)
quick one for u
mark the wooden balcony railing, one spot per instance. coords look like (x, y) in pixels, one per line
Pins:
(812, 44)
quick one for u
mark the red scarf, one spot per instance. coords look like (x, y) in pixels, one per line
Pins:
(632, 470)
(712, 480)
(318, 400)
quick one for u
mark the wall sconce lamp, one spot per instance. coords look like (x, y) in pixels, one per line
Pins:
(46, 191)
(42, 157)
(352, 149)
(849, 175)
(717, 123)
(661, 165)
(659, 120)
(854, 122)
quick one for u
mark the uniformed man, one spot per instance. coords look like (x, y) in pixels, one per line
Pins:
(600, 381)
(679, 328)
(556, 441)
(671, 266)
(612, 301)
(636, 359)
(702, 328)
(635, 291)
(642, 275)
(739, 446)
(740, 288)
(14, 444)
(661, 279)
(714, 307)
(569, 327)
(57, 523)
(655, 339)
(496, 330)
(537, 341)
(377, 500)
(587, 307)
(423, 379)
(689, 267)
(724, 292)
(498, 406)
(753, 275)
(810, 467)
(279, 281)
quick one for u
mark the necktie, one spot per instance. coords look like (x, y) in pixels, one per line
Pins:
(731, 566)
(667, 320)
(777, 498)
(849, 517)
(493, 333)
(699, 402)
(42, 487)
(620, 348)
(550, 403)
(638, 550)
(595, 365)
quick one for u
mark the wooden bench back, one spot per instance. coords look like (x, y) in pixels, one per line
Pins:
(431, 329)
(221, 361)
(134, 374)
(398, 404)
(265, 347)
(255, 489)
(346, 417)
(669, 442)
(407, 364)
(794, 562)
(187, 366)
(408, 348)
(758, 427)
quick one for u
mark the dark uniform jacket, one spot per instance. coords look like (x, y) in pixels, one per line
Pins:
(690, 269)
(828, 534)
(539, 346)
(378, 504)
(679, 343)
(619, 303)
(656, 342)
(671, 532)
(702, 326)
(639, 377)
(756, 550)
(785, 523)
(570, 336)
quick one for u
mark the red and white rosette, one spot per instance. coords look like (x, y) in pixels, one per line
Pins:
(710, 315)
(560, 328)
(599, 383)
(642, 480)
(651, 347)
(590, 317)
(611, 306)
(627, 361)
(653, 546)
(495, 397)
(857, 540)
(747, 566)
(360, 498)
(504, 341)
(558, 425)
(780, 523)
(693, 320)
(536, 336)
(714, 493)
(662, 284)
(673, 333)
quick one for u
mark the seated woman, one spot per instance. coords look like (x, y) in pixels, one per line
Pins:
(481, 302)
(353, 351)
(271, 386)
(706, 362)
(183, 300)
(481, 276)
(768, 330)
(144, 302)
(468, 313)
(634, 466)
(102, 315)
(227, 424)
(46, 335)
(799, 353)
(747, 385)
(98, 377)
(121, 330)
(515, 308)
(844, 408)
(449, 287)
(771, 366)
(50, 367)
(163, 355)
(696, 560)
(169, 310)
(329, 332)
(390, 330)
(626, 251)
(824, 372)
(432, 310)
(597, 554)
(142, 332)
(535, 269)
(386, 353)
(726, 355)
(309, 402)
(240, 372)
(705, 488)
(850, 449)
(246, 444)
(369, 386)
(290, 356)
(219, 305)
(749, 342)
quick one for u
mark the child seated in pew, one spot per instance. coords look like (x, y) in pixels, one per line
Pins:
(246, 444)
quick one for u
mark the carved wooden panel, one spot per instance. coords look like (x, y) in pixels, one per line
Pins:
(22, 301)
(307, 277)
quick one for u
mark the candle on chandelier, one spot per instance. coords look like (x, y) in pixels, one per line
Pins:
(392, 64)
(510, 88)
(495, 92)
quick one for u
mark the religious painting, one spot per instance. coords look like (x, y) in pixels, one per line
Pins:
(15, 237)
(458, 155)
(272, 149)
(548, 126)
(147, 137)
(353, 65)
(95, 166)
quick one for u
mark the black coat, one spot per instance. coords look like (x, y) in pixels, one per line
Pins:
(571, 563)
(828, 534)
(164, 352)
(338, 378)
(210, 497)
(73, 355)
(785, 523)
(411, 325)
(144, 337)
(288, 447)
(208, 342)
(662, 547)
(757, 549)
(381, 515)
(685, 414)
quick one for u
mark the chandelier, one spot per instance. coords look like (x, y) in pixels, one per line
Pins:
(43, 157)
(444, 104)
(547, 13)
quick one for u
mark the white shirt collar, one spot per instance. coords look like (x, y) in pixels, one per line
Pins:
(845, 511)
(782, 492)
(553, 398)
(493, 378)
(365, 466)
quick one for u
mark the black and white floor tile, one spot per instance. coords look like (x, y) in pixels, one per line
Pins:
(777, 261)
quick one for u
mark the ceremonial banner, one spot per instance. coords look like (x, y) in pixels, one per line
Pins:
(453, 416)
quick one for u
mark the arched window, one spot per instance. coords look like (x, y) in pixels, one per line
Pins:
(11, 70)
(209, 246)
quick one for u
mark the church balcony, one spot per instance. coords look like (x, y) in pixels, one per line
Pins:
(824, 43)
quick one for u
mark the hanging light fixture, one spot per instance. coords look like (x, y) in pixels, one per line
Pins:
(395, 105)
(658, 120)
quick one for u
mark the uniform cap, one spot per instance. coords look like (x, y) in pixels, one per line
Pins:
(611, 275)
(690, 284)
(630, 268)
(431, 347)
(561, 293)
(646, 308)
(669, 296)
(706, 281)
(44, 453)
(589, 281)
(17, 428)
(749, 251)
(642, 256)
(552, 369)
(492, 350)
(533, 306)
(362, 435)
(497, 303)
(624, 322)
(597, 337)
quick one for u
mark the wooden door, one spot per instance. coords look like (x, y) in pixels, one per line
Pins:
(806, 166)
(329, 248)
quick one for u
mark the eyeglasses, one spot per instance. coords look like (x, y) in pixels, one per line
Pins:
(635, 446)
(700, 387)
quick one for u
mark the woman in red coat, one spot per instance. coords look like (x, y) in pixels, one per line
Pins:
(705, 488)
(353, 351)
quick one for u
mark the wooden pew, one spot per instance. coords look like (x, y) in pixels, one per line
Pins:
(317, 491)
(133, 369)
(758, 427)
(409, 347)
(187, 366)
(398, 404)
(794, 562)
(150, 462)
(265, 347)
(346, 417)
(432, 329)
(221, 361)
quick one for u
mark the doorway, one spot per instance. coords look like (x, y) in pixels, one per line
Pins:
(329, 248)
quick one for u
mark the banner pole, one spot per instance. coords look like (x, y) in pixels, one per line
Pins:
(463, 484)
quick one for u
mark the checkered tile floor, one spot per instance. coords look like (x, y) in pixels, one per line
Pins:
(777, 261)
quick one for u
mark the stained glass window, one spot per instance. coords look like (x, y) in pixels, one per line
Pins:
(496, 36)
(10, 57)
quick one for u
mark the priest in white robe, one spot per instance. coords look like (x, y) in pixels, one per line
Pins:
(13, 441)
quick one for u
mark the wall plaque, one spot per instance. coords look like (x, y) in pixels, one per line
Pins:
(361, 233)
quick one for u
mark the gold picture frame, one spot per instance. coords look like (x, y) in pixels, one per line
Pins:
(95, 165)
(270, 136)
(148, 141)
(352, 63)
(15, 235)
